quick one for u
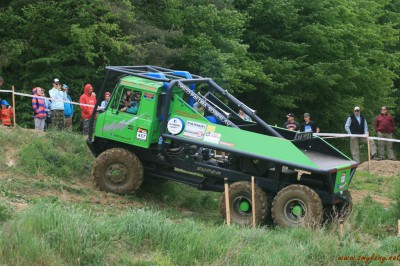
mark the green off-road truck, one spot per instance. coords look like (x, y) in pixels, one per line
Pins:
(170, 124)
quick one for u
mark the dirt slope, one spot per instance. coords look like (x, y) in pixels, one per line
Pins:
(386, 168)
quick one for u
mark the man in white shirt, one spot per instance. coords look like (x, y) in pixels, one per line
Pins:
(357, 124)
(57, 106)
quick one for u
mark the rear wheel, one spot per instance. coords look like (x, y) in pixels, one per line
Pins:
(118, 171)
(241, 206)
(297, 206)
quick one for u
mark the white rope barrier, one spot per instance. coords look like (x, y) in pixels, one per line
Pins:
(336, 135)
(49, 98)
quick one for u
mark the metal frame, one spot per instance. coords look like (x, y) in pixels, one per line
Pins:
(139, 71)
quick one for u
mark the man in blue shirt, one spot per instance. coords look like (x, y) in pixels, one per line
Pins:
(68, 110)
(309, 125)
(357, 124)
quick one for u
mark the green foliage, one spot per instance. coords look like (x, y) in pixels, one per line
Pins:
(324, 56)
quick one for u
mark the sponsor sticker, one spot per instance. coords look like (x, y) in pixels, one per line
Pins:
(194, 130)
(149, 96)
(226, 144)
(211, 128)
(212, 137)
(175, 125)
(343, 178)
(141, 134)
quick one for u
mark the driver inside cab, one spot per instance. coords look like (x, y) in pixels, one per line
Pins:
(133, 104)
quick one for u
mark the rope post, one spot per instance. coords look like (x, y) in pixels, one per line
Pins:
(13, 104)
(227, 204)
(341, 231)
(369, 152)
(253, 201)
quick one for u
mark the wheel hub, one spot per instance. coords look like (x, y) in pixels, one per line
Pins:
(295, 210)
(117, 173)
(242, 205)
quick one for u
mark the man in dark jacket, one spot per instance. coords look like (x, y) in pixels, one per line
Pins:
(385, 127)
(357, 124)
(291, 124)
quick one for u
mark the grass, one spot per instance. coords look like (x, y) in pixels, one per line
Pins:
(69, 235)
(379, 185)
(68, 221)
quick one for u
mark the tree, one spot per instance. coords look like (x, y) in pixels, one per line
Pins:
(323, 56)
(71, 40)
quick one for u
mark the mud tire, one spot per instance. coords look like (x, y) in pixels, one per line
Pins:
(298, 199)
(118, 171)
(239, 192)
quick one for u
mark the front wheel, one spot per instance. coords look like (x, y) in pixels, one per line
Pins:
(241, 206)
(297, 206)
(118, 171)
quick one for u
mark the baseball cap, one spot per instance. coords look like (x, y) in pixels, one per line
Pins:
(65, 86)
(4, 102)
(56, 80)
(107, 94)
(290, 115)
(307, 114)
(356, 108)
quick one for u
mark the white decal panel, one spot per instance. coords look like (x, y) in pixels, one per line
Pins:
(194, 130)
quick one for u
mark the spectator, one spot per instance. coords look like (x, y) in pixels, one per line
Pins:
(291, 124)
(39, 109)
(57, 105)
(87, 98)
(243, 115)
(309, 125)
(1, 84)
(385, 127)
(357, 124)
(6, 113)
(68, 109)
(104, 103)
(47, 102)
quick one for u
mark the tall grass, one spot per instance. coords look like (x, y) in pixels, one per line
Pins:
(57, 154)
(6, 211)
(68, 235)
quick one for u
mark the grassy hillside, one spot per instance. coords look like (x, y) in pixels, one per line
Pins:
(51, 213)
